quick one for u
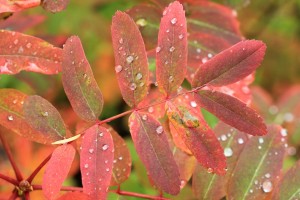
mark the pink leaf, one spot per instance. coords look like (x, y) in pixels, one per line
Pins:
(57, 170)
(96, 161)
(22, 52)
(197, 136)
(17, 5)
(231, 111)
(152, 147)
(171, 52)
(79, 82)
(231, 65)
(122, 160)
(130, 59)
(43, 117)
(55, 5)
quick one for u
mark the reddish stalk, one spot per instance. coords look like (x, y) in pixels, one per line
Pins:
(18, 173)
(36, 171)
(27, 196)
(133, 194)
(9, 179)
(115, 117)
(13, 196)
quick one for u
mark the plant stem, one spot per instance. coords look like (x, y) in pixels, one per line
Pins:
(115, 117)
(18, 174)
(9, 179)
(133, 194)
(36, 171)
(27, 196)
(13, 196)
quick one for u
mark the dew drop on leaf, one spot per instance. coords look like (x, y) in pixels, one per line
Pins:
(204, 60)
(10, 118)
(139, 76)
(101, 134)
(144, 117)
(159, 130)
(198, 50)
(180, 36)
(45, 114)
(15, 101)
(171, 79)
(86, 166)
(228, 152)
(132, 86)
(28, 45)
(150, 109)
(267, 186)
(209, 170)
(260, 140)
(209, 55)
(240, 141)
(141, 22)
(223, 137)
(267, 175)
(118, 68)
(193, 104)
(174, 20)
(120, 158)
(158, 49)
(91, 150)
(104, 147)
(107, 169)
(129, 59)
(283, 132)
(172, 49)
(121, 40)
(16, 41)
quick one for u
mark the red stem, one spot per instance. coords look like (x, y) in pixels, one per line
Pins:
(13, 196)
(9, 179)
(133, 194)
(115, 117)
(36, 171)
(18, 173)
(27, 196)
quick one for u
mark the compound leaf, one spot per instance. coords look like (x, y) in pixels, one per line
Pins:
(57, 170)
(171, 52)
(79, 82)
(23, 52)
(96, 161)
(130, 59)
(152, 147)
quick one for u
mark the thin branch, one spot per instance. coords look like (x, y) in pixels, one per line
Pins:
(115, 117)
(27, 196)
(13, 196)
(36, 171)
(9, 179)
(18, 173)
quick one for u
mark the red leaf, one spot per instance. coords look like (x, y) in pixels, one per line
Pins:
(152, 147)
(79, 82)
(43, 117)
(198, 137)
(57, 170)
(17, 5)
(258, 167)
(55, 5)
(231, 65)
(22, 52)
(122, 160)
(96, 161)
(74, 196)
(171, 52)
(231, 111)
(130, 59)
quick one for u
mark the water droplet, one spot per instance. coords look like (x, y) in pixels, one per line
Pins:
(118, 68)
(283, 132)
(132, 86)
(114, 161)
(10, 118)
(91, 150)
(172, 49)
(139, 76)
(45, 114)
(240, 141)
(267, 175)
(101, 134)
(165, 12)
(228, 152)
(267, 186)
(120, 158)
(158, 49)
(121, 41)
(209, 170)
(180, 36)
(193, 104)
(129, 59)
(259, 147)
(28, 45)
(204, 60)
(209, 55)
(144, 117)
(174, 20)
(107, 169)
(198, 50)
(15, 101)
(261, 140)
(168, 30)
(150, 109)
(244, 49)
(171, 79)
(104, 147)
(288, 117)
(251, 190)
(182, 183)
(86, 166)
(106, 161)
(73, 62)
(16, 41)
(141, 22)
(159, 130)
(223, 137)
